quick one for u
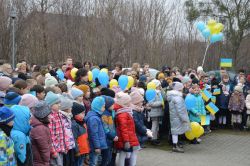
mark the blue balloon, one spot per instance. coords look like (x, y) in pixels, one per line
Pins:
(190, 101)
(150, 95)
(201, 26)
(206, 33)
(123, 81)
(216, 37)
(95, 73)
(60, 74)
(103, 78)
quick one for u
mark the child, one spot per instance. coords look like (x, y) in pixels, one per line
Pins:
(178, 115)
(248, 103)
(77, 95)
(12, 98)
(97, 137)
(57, 132)
(20, 135)
(6, 144)
(142, 132)
(5, 82)
(86, 97)
(66, 106)
(127, 139)
(39, 91)
(80, 134)
(108, 119)
(236, 106)
(40, 134)
(156, 112)
(22, 86)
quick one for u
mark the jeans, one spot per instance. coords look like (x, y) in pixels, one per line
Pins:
(93, 157)
(79, 160)
(106, 156)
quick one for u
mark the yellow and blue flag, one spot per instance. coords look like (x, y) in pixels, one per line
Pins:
(205, 120)
(212, 108)
(226, 62)
(213, 99)
(216, 91)
(206, 95)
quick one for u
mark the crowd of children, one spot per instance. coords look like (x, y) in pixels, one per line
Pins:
(48, 120)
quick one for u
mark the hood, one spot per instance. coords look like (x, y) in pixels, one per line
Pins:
(22, 118)
(124, 110)
(35, 122)
(91, 114)
(173, 93)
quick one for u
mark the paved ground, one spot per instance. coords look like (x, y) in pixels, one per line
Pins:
(221, 148)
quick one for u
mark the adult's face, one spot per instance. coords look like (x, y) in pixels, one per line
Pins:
(69, 62)
(146, 68)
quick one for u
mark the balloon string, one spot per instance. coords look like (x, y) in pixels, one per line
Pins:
(205, 55)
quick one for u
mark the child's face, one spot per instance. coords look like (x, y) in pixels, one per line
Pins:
(85, 78)
(196, 90)
(242, 80)
(206, 80)
(103, 108)
(225, 79)
(111, 107)
(87, 95)
(80, 117)
(56, 107)
(41, 95)
(11, 123)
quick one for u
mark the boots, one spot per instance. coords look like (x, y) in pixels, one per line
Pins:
(177, 149)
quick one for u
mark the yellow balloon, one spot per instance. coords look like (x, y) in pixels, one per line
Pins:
(217, 28)
(130, 82)
(195, 127)
(189, 135)
(90, 75)
(151, 85)
(211, 22)
(73, 72)
(113, 83)
(104, 70)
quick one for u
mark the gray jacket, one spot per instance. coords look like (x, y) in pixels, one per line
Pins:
(179, 119)
(156, 106)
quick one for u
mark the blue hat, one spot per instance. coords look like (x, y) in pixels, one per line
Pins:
(52, 98)
(76, 93)
(12, 98)
(143, 78)
(6, 115)
(109, 101)
(97, 104)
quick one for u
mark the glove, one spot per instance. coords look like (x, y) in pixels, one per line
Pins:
(115, 139)
(126, 145)
(149, 133)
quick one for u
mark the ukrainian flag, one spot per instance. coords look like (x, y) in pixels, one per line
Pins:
(226, 62)
(212, 108)
(205, 120)
(206, 95)
(213, 99)
(216, 91)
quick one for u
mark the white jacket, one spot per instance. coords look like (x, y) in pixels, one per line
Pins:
(248, 103)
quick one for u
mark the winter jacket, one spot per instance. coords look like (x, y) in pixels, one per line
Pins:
(57, 133)
(125, 128)
(248, 103)
(20, 133)
(179, 119)
(7, 157)
(97, 137)
(87, 104)
(197, 110)
(236, 102)
(224, 97)
(140, 128)
(81, 138)
(69, 139)
(156, 106)
(246, 88)
(108, 119)
(41, 142)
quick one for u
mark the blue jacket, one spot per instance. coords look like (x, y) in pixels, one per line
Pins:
(197, 110)
(97, 137)
(20, 132)
(108, 119)
(140, 128)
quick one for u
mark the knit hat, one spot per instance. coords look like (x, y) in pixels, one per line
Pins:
(108, 92)
(41, 110)
(5, 82)
(97, 104)
(157, 82)
(143, 78)
(77, 109)
(248, 78)
(28, 100)
(6, 115)
(76, 93)
(161, 76)
(50, 81)
(185, 79)
(109, 101)
(83, 88)
(12, 98)
(123, 99)
(52, 98)
(65, 103)
(238, 89)
(136, 97)
(177, 86)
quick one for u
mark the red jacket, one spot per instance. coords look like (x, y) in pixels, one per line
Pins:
(41, 143)
(125, 127)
